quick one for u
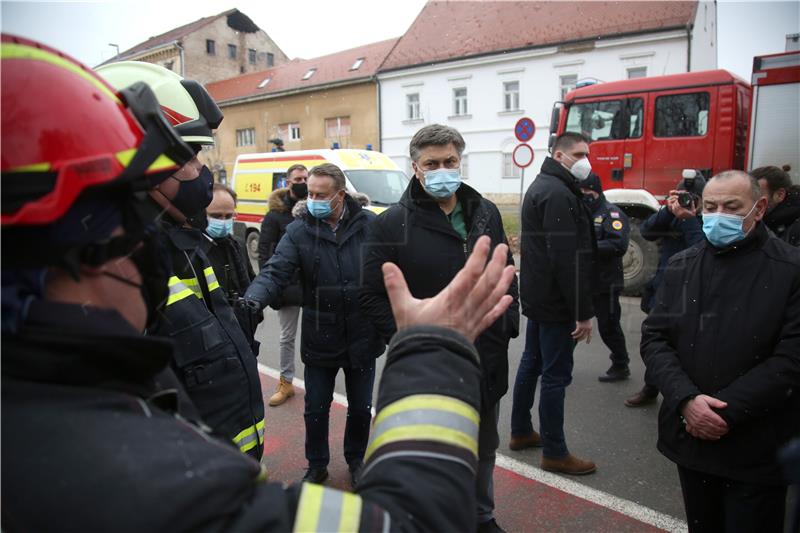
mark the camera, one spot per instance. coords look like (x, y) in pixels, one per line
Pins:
(685, 199)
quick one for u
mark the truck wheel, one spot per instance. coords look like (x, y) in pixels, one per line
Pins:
(640, 261)
(252, 246)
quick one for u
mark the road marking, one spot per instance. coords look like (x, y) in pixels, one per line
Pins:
(598, 497)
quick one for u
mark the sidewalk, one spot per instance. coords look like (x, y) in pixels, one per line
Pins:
(523, 504)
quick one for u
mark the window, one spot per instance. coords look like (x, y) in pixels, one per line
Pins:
(358, 62)
(169, 64)
(270, 59)
(384, 187)
(460, 101)
(251, 56)
(337, 128)
(600, 121)
(310, 73)
(681, 115)
(635, 118)
(264, 83)
(464, 166)
(510, 170)
(510, 95)
(637, 72)
(246, 137)
(289, 131)
(231, 51)
(211, 47)
(412, 106)
(567, 83)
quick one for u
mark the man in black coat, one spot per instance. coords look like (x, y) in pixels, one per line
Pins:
(783, 209)
(556, 292)
(612, 230)
(723, 346)
(326, 245)
(429, 235)
(273, 226)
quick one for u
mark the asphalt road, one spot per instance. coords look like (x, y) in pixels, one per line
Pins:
(598, 426)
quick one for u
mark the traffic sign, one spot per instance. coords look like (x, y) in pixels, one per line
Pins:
(522, 155)
(524, 129)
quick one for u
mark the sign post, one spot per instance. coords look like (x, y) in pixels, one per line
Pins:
(523, 153)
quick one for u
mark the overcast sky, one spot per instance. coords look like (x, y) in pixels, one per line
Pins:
(310, 28)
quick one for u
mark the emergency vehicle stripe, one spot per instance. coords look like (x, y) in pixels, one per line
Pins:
(247, 439)
(178, 290)
(211, 279)
(324, 509)
(427, 417)
(22, 51)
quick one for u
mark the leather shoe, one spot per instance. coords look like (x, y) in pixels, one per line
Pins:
(316, 475)
(525, 441)
(645, 396)
(490, 526)
(355, 472)
(615, 373)
(568, 465)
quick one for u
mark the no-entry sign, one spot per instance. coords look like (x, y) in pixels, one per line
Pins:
(524, 129)
(522, 155)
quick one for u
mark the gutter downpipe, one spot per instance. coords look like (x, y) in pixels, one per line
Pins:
(183, 64)
(689, 48)
(380, 116)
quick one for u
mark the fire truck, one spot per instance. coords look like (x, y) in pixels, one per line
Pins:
(645, 132)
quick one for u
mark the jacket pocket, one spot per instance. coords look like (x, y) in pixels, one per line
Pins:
(195, 342)
(323, 335)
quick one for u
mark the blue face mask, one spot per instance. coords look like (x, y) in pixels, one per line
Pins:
(722, 230)
(218, 228)
(320, 208)
(442, 182)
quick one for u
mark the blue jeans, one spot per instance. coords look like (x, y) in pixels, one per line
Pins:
(320, 382)
(548, 353)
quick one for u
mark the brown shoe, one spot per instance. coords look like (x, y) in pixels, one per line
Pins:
(568, 465)
(525, 441)
(284, 391)
(645, 396)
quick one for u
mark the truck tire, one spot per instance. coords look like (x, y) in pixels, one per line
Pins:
(252, 245)
(640, 261)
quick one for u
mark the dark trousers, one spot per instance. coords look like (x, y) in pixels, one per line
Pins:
(320, 382)
(715, 504)
(488, 441)
(548, 353)
(608, 313)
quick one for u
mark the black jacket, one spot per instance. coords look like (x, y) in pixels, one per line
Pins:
(334, 331)
(273, 226)
(673, 235)
(612, 230)
(558, 247)
(94, 438)
(784, 219)
(417, 236)
(228, 257)
(727, 324)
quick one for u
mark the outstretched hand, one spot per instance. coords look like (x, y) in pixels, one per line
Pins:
(472, 302)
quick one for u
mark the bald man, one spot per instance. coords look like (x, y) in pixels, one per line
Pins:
(723, 345)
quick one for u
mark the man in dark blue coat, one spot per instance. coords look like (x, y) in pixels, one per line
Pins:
(326, 246)
(676, 228)
(612, 229)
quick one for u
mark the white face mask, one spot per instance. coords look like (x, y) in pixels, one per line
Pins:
(580, 168)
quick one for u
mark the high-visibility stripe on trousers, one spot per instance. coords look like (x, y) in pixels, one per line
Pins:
(249, 438)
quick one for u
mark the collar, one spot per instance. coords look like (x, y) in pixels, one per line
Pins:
(554, 168)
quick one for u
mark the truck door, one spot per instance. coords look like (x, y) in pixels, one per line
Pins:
(602, 121)
(633, 162)
(679, 130)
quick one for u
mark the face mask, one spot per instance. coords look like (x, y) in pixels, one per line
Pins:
(580, 168)
(299, 190)
(194, 195)
(722, 230)
(442, 182)
(320, 208)
(219, 228)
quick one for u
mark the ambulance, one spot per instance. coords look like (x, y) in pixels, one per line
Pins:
(255, 176)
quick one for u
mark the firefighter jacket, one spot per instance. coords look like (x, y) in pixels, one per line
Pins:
(212, 356)
(93, 439)
(612, 231)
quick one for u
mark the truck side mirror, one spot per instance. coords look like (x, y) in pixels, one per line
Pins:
(551, 141)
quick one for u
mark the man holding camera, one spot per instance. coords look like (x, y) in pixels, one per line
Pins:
(678, 225)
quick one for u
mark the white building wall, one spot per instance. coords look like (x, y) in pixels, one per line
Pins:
(704, 37)
(488, 129)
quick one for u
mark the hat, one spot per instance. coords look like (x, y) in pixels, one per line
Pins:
(592, 182)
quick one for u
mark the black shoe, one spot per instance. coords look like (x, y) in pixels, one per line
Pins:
(355, 472)
(645, 396)
(615, 373)
(316, 475)
(490, 526)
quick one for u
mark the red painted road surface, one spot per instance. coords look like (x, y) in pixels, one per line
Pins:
(521, 503)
